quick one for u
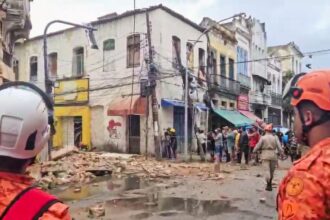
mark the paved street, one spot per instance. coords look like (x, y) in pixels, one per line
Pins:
(236, 196)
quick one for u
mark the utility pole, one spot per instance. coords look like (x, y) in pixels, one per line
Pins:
(188, 104)
(186, 81)
(154, 102)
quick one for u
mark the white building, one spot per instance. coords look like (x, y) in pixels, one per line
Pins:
(243, 35)
(290, 56)
(15, 24)
(112, 108)
(274, 75)
(259, 95)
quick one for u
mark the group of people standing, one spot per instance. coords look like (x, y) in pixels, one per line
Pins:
(230, 144)
(259, 146)
(171, 143)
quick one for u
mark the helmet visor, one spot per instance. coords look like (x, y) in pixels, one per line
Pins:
(291, 85)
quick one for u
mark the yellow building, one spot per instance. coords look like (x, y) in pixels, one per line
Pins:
(72, 113)
(222, 75)
(222, 63)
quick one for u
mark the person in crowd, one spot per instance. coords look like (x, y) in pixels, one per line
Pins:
(24, 132)
(268, 144)
(237, 146)
(231, 143)
(211, 144)
(244, 146)
(254, 137)
(171, 141)
(280, 135)
(167, 143)
(225, 146)
(174, 142)
(218, 145)
(201, 138)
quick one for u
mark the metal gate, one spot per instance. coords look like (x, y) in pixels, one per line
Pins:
(134, 135)
(178, 124)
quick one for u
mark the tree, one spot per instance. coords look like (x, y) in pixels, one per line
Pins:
(287, 75)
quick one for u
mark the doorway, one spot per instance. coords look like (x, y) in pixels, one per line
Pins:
(178, 124)
(134, 134)
(77, 126)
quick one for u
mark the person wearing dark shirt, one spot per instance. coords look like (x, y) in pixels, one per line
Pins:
(243, 146)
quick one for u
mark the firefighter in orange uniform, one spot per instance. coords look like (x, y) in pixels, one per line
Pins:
(24, 131)
(305, 192)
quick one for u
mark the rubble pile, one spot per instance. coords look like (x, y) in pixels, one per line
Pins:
(79, 167)
(83, 167)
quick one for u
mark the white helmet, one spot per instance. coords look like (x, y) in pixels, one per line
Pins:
(24, 128)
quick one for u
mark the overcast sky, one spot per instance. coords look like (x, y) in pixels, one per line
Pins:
(306, 22)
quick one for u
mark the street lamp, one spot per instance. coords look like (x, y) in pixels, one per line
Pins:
(49, 83)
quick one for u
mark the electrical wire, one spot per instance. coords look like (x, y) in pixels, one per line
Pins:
(318, 52)
(132, 83)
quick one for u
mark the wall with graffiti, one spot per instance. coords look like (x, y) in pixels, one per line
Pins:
(116, 133)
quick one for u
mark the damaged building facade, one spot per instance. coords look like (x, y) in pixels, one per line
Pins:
(224, 87)
(15, 24)
(97, 101)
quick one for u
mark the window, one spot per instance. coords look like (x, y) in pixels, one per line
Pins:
(7, 58)
(242, 58)
(292, 60)
(214, 66)
(269, 76)
(52, 65)
(1, 30)
(34, 68)
(223, 65)
(201, 59)
(232, 105)
(245, 60)
(16, 69)
(133, 50)
(201, 64)
(215, 102)
(231, 69)
(190, 56)
(108, 62)
(176, 51)
(297, 70)
(78, 62)
(224, 104)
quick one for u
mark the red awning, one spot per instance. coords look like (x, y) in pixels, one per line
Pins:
(129, 105)
(258, 121)
(250, 115)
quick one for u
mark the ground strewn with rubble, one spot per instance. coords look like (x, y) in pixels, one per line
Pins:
(114, 186)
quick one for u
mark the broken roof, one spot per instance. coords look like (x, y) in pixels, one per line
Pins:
(225, 31)
(292, 44)
(113, 17)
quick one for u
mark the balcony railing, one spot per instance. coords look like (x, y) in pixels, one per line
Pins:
(276, 99)
(257, 97)
(224, 84)
(244, 80)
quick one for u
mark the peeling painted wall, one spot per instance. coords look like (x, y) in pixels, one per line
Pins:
(171, 88)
